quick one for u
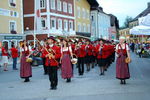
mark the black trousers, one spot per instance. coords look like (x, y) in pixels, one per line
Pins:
(52, 72)
(45, 67)
(81, 65)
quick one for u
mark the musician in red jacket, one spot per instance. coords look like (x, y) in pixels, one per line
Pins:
(80, 52)
(101, 49)
(43, 56)
(53, 53)
(88, 58)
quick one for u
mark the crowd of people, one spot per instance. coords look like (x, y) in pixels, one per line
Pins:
(58, 53)
(142, 49)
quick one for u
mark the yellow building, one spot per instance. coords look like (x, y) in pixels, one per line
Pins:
(11, 20)
(82, 17)
(126, 33)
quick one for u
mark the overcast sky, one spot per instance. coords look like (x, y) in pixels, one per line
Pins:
(123, 8)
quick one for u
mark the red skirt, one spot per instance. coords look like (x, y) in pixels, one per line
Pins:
(66, 67)
(25, 68)
(122, 68)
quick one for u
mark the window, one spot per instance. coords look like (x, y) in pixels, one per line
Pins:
(59, 23)
(65, 25)
(78, 12)
(53, 23)
(92, 18)
(64, 6)
(71, 25)
(12, 26)
(70, 8)
(42, 4)
(87, 14)
(59, 5)
(52, 4)
(88, 28)
(43, 22)
(79, 27)
(12, 3)
(83, 13)
(84, 28)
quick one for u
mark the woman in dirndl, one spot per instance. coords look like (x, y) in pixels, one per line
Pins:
(66, 66)
(25, 67)
(122, 68)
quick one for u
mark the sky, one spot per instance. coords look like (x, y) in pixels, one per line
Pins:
(123, 8)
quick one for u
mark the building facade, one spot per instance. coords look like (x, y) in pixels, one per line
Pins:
(82, 18)
(100, 22)
(126, 33)
(11, 19)
(114, 29)
(135, 22)
(57, 18)
(103, 25)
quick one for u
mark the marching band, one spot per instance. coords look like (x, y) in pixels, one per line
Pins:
(64, 53)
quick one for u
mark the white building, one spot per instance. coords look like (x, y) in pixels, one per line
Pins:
(100, 23)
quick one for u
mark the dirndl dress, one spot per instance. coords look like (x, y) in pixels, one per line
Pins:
(66, 66)
(25, 67)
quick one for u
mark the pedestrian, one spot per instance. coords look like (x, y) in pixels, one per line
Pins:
(25, 67)
(66, 66)
(122, 68)
(141, 51)
(14, 54)
(5, 56)
(53, 53)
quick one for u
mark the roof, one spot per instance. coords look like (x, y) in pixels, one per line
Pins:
(93, 3)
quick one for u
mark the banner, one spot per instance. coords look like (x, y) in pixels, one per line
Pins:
(37, 17)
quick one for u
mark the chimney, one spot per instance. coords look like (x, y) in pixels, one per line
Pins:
(148, 4)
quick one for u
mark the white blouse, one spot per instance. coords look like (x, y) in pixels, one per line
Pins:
(123, 47)
(25, 49)
(66, 49)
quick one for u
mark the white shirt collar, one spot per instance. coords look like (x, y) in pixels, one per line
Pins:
(51, 45)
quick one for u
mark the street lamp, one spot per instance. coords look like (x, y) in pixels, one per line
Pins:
(27, 28)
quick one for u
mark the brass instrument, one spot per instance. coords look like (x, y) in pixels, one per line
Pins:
(50, 54)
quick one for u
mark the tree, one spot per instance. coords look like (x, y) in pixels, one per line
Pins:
(127, 20)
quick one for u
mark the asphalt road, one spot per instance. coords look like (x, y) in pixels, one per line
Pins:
(91, 86)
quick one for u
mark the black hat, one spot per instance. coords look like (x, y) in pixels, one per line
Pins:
(51, 37)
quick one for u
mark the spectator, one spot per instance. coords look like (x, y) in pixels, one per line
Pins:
(5, 57)
(14, 54)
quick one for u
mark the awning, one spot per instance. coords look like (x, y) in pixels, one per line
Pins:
(143, 28)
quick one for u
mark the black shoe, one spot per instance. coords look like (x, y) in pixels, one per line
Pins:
(80, 74)
(68, 80)
(15, 68)
(26, 80)
(101, 74)
(55, 88)
(124, 82)
(52, 88)
(121, 82)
